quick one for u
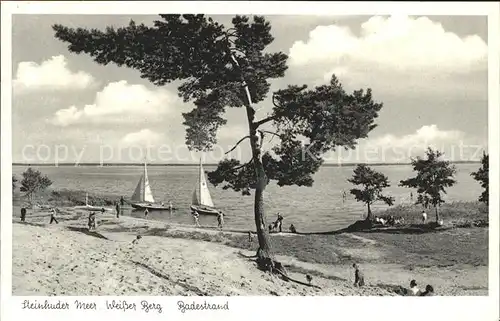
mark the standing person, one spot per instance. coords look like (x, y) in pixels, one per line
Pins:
(411, 197)
(279, 221)
(170, 206)
(359, 279)
(146, 212)
(344, 196)
(122, 201)
(196, 217)
(220, 219)
(424, 217)
(53, 217)
(92, 223)
(117, 210)
(23, 214)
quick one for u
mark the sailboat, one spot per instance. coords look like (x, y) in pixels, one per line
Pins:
(91, 207)
(202, 201)
(143, 197)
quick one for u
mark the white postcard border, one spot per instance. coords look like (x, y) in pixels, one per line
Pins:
(251, 308)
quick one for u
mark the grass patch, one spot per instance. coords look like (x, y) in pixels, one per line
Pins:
(450, 213)
(455, 246)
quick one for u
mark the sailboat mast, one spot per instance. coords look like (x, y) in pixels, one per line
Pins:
(199, 182)
(144, 182)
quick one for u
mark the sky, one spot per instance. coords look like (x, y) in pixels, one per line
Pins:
(430, 73)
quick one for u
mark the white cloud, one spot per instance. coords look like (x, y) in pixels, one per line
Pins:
(51, 74)
(120, 102)
(422, 138)
(455, 145)
(142, 137)
(391, 50)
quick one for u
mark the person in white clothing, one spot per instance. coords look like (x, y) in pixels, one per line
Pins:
(196, 217)
(414, 290)
(424, 217)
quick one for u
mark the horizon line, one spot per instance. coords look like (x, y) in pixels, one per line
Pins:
(215, 164)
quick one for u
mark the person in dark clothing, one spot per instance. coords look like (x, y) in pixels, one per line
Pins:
(293, 229)
(429, 291)
(279, 222)
(359, 279)
(117, 210)
(53, 216)
(122, 201)
(220, 219)
(92, 223)
(23, 214)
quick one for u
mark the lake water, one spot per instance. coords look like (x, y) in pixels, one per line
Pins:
(316, 208)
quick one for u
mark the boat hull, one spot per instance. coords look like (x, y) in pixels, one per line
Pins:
(93, 208)
(205, 210)
(151, 207)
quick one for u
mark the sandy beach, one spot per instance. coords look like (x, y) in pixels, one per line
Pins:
(66, 259)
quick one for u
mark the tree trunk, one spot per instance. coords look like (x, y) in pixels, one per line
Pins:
(264, 254)
(369, 216)
(264, 251)
(437, 213)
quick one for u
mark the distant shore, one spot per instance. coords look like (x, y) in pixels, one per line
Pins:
(453, 259)
(213, 164)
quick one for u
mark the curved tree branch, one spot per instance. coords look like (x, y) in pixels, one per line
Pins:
(239, 142)
(269, 132)
(265, 120)
(243, 165)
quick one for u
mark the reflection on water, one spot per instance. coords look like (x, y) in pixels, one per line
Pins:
(318, 208)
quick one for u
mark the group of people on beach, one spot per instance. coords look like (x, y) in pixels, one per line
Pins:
(359, 281)
(196, 218)
(277, 225)
(53, 215)
(415, 291)
(390, 220)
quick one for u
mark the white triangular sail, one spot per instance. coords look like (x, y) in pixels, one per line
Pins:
(142, 192)
(204, 193)
(148, 195)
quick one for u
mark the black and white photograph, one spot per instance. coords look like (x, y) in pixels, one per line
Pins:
(244, 154)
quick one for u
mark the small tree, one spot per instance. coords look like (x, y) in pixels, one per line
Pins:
(372, 183)
(219, 67)
(482, 176)
(434, 175)
(33, 181)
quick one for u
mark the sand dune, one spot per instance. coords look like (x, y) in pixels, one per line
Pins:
(65, 259)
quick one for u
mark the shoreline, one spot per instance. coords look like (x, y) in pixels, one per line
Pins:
(386, 258)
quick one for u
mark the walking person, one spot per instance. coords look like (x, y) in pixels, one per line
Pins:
(424, 217)
(117, 210)
(220, 219)
(53, 217)
(146, 213)
(344, 196)
(23, 214)
(196, 217)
